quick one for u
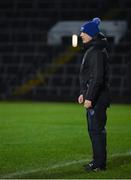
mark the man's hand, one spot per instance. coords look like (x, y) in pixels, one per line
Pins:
(87, 104)
(80, 99)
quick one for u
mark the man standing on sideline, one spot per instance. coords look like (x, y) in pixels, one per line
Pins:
(94, 90)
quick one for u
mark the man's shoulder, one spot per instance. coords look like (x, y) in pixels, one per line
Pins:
(95, 50)
(90, 50)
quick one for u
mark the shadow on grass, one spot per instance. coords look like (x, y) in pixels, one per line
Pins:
(114, 165)
(119, 161)
(57, 174)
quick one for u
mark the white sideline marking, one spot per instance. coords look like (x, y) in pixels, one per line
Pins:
(11, 175)
(20, 173)
(120, 154)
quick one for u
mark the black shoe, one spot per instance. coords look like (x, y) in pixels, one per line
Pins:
(93, 167)
(89, 164)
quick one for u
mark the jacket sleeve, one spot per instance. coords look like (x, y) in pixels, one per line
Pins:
(81, 85)
(96, 76)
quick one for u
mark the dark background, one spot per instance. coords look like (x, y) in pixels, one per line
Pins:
(27, 68)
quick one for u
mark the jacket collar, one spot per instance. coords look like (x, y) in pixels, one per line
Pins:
(98, 41)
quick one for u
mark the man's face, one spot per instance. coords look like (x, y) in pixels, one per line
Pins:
(85, 37)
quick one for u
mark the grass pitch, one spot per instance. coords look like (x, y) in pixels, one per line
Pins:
(50, 140)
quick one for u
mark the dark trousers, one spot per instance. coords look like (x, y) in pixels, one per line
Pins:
(96, 118)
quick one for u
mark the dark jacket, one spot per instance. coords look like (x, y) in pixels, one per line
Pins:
(94, 71)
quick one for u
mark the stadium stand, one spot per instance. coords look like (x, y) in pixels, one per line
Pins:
(32, 69)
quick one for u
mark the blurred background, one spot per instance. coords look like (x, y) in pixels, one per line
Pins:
(37, 61)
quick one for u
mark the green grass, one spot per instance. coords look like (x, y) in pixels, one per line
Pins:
(49, 140)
